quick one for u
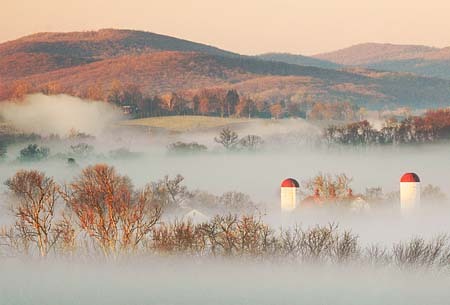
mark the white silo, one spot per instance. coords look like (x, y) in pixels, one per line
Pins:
(289, 190)
(409, 192)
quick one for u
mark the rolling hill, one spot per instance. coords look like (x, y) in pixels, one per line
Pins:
(159, 64)
(53, 51)
(417, 59)
(370, 53)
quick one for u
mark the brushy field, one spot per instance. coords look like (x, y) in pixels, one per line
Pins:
(188, 122)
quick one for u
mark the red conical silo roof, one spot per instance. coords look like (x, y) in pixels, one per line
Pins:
(410, 177)
(289, 182)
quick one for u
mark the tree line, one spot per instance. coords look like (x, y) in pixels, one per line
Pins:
(220, 102)
(432, 126)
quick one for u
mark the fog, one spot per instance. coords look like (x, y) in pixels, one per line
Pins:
(292, 149)
(178, 281)
(46, 115)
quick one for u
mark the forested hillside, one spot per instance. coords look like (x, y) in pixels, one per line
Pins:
(94, 64)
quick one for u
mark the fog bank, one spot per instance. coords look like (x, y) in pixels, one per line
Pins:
(178, 281)
(45, 115)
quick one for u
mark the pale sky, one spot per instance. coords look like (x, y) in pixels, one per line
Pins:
(245, 26)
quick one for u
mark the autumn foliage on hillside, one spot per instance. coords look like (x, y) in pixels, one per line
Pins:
(85, 64)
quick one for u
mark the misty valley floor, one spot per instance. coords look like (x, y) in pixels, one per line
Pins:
(181, 281)
(195, 281)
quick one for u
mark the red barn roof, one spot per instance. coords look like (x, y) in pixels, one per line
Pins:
(410, 177)
(289, 182)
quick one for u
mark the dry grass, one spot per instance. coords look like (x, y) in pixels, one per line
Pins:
(186, 123)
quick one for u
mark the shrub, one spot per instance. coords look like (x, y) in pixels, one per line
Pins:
(251, 142)
(181, 147)
(34, 153)
(82, 150)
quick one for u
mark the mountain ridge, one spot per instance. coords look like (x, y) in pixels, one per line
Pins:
(418, 59)
(157, 64)
(369, 53)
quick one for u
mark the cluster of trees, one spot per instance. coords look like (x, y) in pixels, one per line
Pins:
(211, 101)
(229, 202)
(221, 102)
(337, 111)
(227, 138)
(228, 103)
(249, 236)
(214, 101)
(34, 152)
(328, 185)
(101, 213)
(99, 209)
(336, 190)
(432, 126)
(6, 139)
(230, 140)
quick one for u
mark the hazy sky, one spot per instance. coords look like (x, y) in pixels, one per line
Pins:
(245, 26)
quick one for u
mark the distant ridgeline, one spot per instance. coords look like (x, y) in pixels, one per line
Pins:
(131, 68)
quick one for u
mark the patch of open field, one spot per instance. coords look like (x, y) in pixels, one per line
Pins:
(187, 123)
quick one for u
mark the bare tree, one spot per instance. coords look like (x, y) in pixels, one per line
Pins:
(227, 138)
(251, 142)
(290, 242)
(317, 242)
(229, 235)
(330, 187)
(110, 211)
(169, 193)
(418, 253)
(345, 247)
(377, 255)
(36, 197)
(66, 232)
(178, 237)
(253, 236)
(227, 238)
(236, 202)
(14, 241)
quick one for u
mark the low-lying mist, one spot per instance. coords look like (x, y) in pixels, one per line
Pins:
(383, 225)
(182, 281)
(58, 115)
(292, 148)
(259, 175)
